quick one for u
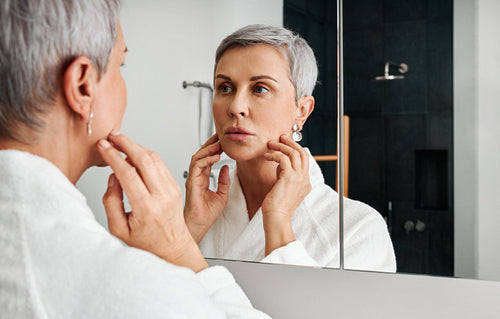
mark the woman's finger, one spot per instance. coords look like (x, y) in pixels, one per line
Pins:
(115, 211)
(280, 158)
(152, 170)
(214, 138)
(212, 149)
(199, 172)
(293, 154)
(304, 155)
(224, 181)
(206, 162)
(126, 174)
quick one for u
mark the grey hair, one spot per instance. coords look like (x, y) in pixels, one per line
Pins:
(302, 63)
(38, 40)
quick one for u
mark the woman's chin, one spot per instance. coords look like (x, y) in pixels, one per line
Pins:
(101, 164)
(242, 153)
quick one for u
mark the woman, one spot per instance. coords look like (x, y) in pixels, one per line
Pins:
(61, 96)
(278, 207)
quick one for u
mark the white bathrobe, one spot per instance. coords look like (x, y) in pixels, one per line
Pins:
(56, 261)
(367, 244)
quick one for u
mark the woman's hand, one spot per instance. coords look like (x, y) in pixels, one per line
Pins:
(204, 206)
(288, 192)
(156, 222)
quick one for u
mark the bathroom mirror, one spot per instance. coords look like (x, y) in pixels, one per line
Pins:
(174, 42)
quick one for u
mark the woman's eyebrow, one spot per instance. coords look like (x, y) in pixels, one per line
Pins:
(222, 76)
(260, 77)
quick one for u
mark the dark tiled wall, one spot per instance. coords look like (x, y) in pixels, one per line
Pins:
(403, 128)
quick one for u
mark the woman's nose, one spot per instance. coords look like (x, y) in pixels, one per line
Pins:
(239, 105)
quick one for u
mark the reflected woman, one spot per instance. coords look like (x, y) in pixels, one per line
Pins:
(273, 204)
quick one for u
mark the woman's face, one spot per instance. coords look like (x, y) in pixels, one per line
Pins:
(254, 100)
(111, 92)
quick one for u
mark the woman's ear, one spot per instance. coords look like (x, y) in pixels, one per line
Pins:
(79, 84)
(304, 109)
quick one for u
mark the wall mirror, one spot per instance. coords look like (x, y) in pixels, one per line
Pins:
(174, 42)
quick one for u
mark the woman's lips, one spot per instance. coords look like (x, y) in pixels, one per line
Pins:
(237, 133)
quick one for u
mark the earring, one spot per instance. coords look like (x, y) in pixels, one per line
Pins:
(296, 135)
(89, 123)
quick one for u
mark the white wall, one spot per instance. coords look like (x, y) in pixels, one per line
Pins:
(488, 105)
(302, 292)
(477, 138)
(465, 137)
(169, 42)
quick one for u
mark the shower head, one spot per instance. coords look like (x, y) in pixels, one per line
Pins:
(388, 77)
(402, 68)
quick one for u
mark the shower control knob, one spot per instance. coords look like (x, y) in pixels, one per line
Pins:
(420, 226)
(409, 226)
(185, 174)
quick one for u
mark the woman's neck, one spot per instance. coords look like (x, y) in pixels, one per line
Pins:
(257, 177)
(56, 144)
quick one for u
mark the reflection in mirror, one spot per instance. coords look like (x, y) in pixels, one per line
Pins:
(404, 158)
(278, 209)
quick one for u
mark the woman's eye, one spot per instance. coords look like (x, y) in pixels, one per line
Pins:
(225, 88)
(261, 90)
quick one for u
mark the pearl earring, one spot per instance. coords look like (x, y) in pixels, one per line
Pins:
(296, 135)
(89, 123)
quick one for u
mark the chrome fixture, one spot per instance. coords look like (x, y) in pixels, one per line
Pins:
(197, 84)
(402, 68)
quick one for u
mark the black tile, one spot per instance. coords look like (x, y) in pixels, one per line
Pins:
(440, 10)
(316, 39)
(362, 50)
(405, 43)
(404, 135)
(331, 12)
(440, 66)
(439, 131)
(295, 20)
(404, 10)
(296, 4)
(366, 158)
(331, 96)
(330, 67)
(362, 13)
(439, 227)
(317, 9)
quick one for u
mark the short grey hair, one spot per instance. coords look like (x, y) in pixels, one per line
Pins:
(303, 69)
(38, 40)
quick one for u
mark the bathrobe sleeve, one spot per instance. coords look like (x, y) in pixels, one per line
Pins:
(367, 243)
(124, 282)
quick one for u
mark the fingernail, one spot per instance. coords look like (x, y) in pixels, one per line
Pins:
(111, 181)
(115, 133)
(104, 144)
